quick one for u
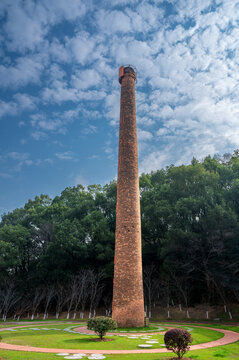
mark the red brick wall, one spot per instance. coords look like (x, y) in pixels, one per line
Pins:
(128, 303)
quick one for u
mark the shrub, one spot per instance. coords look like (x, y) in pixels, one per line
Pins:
(100, 325)
(178, 341)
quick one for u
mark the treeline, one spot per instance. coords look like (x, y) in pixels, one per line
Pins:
(57, 254)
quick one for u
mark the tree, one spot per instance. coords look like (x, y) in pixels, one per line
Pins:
(16, 245)
(81, 295)
(100, 325)
(60, 299)
(149, 284)
(190, 231)
(95, 289)
(9, 296)
(49, 294)
(178, 340)
(36, 300)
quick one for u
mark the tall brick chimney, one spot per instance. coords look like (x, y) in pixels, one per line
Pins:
(128, 301)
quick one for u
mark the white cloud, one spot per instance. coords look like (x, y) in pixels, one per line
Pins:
(144, 135)
(22, 29)
(25, 101)
(145, 121)
(196, 103)
(18, 156)
(91, 129)
(109, 149)
(86, 79)
(121, 2)
(37, 135)
(92, 95)
(151, 15)
(162, 132)
(26, 70)
(191, 9)
(49, 125)
(59, 92)
(155, 160)
(28, 22)
(7, 108)
(19, 159)
(113, 21)
(63, 9)
(28, 162)
(44, 161)
(82, 46)
(55, 73)
(166, 112)
(67, 155)
(136, 52)
(59, 52)
(81, 49)
(44, 124)
(5, 175)
(187, 91)
(112, 103)
(55, 122)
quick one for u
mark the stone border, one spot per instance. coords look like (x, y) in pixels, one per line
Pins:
(229, 337)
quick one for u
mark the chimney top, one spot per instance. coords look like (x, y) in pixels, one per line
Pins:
(130, 70)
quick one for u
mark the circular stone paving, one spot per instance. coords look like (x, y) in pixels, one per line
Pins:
(228, 338)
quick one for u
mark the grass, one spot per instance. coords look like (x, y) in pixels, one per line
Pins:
(51, 338)
(65, 340)
(227, 352)
(10, 320)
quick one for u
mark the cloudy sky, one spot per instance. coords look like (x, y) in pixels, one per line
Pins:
(59, 93)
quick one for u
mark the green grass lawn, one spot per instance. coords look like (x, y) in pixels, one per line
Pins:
(63, 339)
(67, 340)
(227, 352)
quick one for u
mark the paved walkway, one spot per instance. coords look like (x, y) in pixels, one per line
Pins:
(229, 337)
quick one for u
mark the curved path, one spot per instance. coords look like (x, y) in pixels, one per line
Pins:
(229, 337)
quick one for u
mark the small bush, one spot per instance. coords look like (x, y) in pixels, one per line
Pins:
(178, 340)
(100, 325)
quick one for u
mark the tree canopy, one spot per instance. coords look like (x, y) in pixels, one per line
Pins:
(190, 234)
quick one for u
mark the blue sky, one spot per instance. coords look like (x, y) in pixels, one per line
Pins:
(60, 96)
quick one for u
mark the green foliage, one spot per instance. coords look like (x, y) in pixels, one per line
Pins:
(190, 231)
(100, 325)
(178, 340)
(16, 247)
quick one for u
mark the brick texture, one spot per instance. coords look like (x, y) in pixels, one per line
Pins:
(128, 302)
